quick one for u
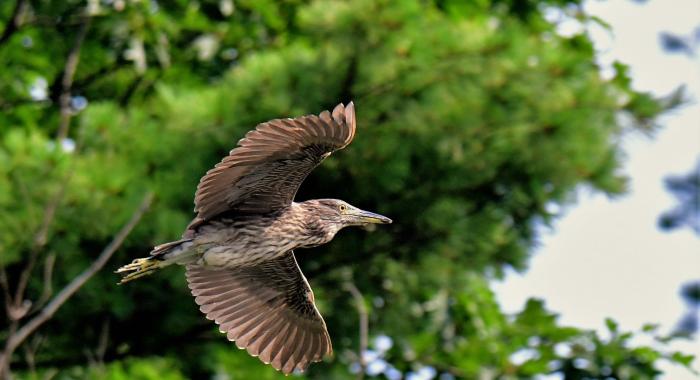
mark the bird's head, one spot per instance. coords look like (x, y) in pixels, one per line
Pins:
(343, 214)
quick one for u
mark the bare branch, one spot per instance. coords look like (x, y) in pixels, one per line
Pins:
(364, 323)
(47, 281)
(5, 288)
(67, 80)
(14, 340)
(96, 358)
(30, 350)
(102, 343)
(14, 22)
(40, 240)
(41, 236)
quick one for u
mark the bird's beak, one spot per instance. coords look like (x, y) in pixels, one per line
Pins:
(366, 217)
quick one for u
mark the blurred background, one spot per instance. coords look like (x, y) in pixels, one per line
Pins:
(540, 160)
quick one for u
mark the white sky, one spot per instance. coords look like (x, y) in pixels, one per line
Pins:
(607, 258)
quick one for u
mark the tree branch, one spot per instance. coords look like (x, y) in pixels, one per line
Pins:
(67, 80)
(15, 339)
(48, 288)
(40, 240)
(5, 289)
(362, 312)
(13, 23)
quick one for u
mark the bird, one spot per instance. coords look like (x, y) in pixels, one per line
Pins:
(239, 248)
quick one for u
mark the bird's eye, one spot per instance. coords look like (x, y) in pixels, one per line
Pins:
(342, 208)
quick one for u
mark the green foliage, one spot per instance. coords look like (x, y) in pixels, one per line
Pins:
(472, 121)
(147, 368)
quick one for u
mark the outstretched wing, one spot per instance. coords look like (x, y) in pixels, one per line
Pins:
(264, 172)
(268, 309)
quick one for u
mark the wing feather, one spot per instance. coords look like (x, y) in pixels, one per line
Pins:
(268, 309)
(295, 352)
(264, 172)
(266, 347)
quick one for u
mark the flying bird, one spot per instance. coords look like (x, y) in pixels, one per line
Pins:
(239, 249)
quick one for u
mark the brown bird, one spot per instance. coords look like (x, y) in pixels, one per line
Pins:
(239, 248)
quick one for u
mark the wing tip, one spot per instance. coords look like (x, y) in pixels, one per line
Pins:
(345, 115)
(350, 119)
(350, 115)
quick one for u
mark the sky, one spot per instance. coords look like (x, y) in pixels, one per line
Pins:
(606, 257)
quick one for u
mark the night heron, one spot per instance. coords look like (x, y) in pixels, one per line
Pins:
(239, 248)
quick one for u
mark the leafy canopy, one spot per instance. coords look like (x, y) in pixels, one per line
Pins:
(474, 119)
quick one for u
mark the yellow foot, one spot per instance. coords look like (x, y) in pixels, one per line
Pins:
(138, 268)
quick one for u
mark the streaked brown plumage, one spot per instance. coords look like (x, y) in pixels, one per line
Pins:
(239, 248)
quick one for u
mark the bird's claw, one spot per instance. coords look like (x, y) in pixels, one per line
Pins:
(137, 268)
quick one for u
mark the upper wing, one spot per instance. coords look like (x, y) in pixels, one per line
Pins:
(268, 309)
(264, 172)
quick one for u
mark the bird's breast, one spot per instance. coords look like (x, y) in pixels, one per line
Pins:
(241, 243)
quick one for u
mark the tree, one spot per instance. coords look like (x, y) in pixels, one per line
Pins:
(686, 214)
(686, 189)
(472, 120)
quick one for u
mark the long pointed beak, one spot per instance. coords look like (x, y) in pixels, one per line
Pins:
(367, 217)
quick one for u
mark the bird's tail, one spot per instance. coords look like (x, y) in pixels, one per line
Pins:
(161, 256)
